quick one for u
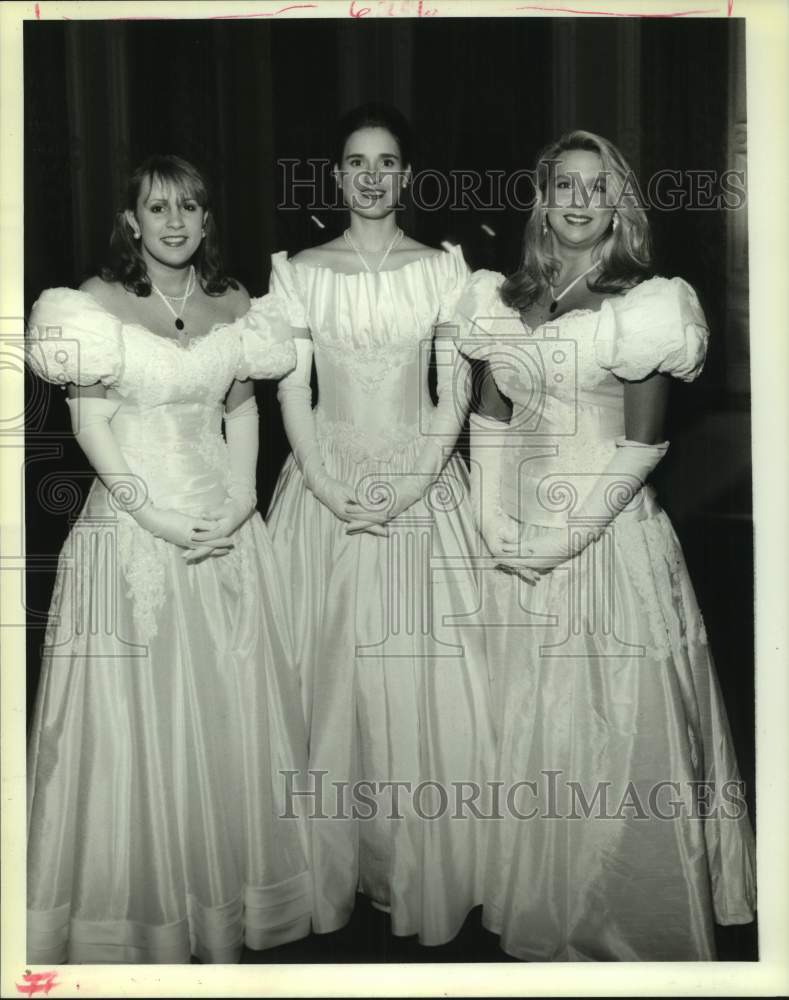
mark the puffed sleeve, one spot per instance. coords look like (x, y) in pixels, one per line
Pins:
(481, 317)
(454, 281)
(71, 338)
(658, 326)
(284, 283)
(267, 348)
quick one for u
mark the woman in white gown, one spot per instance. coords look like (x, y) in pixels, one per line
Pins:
(631, 835)
(372, 530)
(167, 703)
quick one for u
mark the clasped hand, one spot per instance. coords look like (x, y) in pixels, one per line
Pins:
(196, 533)
(529, 559)
(401, 492)
(338, 497)
(224, 520)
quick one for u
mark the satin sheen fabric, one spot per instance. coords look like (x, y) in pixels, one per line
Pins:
(395, 687)
(603, 680)
(167, 705)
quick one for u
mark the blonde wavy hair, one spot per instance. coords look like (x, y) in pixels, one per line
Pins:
(625, 251)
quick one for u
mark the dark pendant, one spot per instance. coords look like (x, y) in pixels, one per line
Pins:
(553, 307)
(179, 324)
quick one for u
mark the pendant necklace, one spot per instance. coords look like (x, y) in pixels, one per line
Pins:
(556, 299)
(395, 239)
(190, 287)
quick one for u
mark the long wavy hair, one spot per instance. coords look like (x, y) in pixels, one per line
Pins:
(127, 265)
(624, 252)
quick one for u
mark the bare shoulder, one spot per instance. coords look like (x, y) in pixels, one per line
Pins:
(106, 293)
(236, 300)
(322, 255)
(419, 249)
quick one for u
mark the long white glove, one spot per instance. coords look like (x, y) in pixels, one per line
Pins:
(399, 492)
(295, 398)
(499, 531)
(241, 433)
(90, 420)
(613, 490)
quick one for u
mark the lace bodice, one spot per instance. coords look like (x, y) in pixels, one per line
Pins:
(372, 335)
(565, 377)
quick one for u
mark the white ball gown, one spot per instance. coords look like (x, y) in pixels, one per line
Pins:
(395, 686)
(167, 702)
(602, 669)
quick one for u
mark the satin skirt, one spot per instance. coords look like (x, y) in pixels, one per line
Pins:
(395, 688)
(156, 756)
(627, 837)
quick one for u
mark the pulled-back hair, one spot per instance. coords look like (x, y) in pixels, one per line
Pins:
(374, 115)
(624, 252)
(127, 265)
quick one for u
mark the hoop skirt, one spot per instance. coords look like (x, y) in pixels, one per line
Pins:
(167, 703)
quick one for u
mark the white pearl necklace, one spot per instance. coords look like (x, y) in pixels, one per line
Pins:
(395, 239)
(191, 282)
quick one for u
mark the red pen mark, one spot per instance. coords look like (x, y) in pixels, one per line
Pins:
(273, 13)
(614, 13)
(388, 8)
(38, 12)
(37, 982)
(730, 8)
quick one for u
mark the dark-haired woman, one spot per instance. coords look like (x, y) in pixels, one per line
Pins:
(167, 703)
(625, 834)
(373, 532)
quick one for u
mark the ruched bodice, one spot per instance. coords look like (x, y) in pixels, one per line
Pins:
(372, 334)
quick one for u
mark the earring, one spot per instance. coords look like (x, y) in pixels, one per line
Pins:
(202, 233)
(544, 228)
(615, 223)
(135, 234)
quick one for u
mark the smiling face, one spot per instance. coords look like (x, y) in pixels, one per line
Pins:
(170, 222)
(371, 172)
(577, 211)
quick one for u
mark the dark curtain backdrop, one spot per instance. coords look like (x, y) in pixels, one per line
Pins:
(482, 94)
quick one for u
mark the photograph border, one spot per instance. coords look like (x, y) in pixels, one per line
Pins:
(767, 57)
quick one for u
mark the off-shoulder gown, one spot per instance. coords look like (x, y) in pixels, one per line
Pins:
(389, 648)
(168, 702)
(629, 837)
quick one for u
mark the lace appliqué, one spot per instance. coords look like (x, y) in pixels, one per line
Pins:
(633, 549)
(143, 561)
(362, 446)
(238, 567)
(370, 366)
(264, 356)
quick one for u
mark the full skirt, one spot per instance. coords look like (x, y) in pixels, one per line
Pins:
(166, 730)
(395, 686)
(624, 833)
